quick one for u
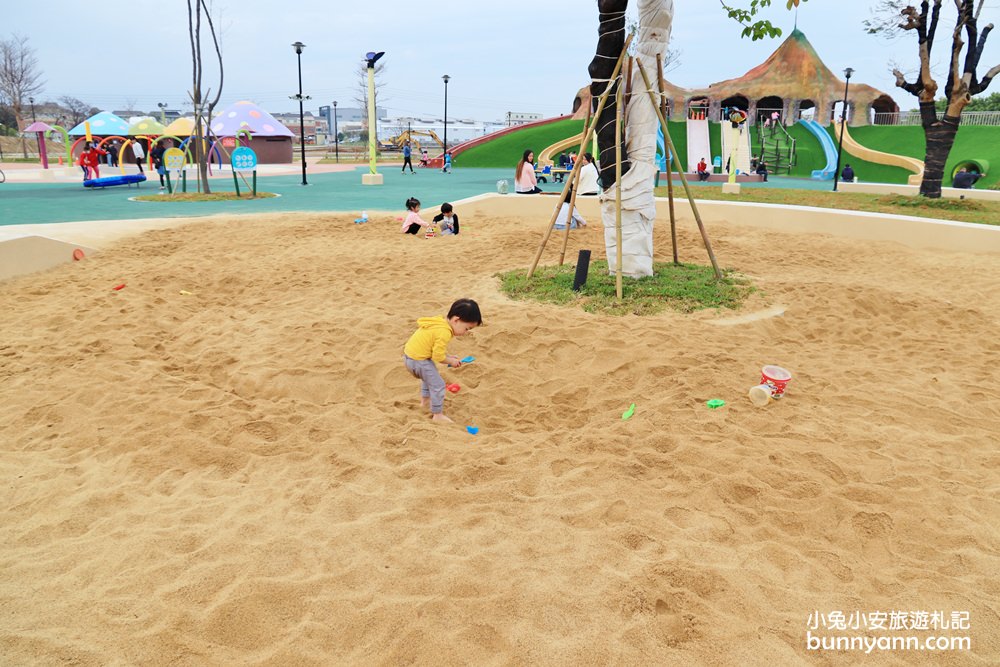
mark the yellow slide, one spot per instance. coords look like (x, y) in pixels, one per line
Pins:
(545, 157)
(878, 157)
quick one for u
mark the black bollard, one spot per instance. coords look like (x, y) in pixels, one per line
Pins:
(582, 266)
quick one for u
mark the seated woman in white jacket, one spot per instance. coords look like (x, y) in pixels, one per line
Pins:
(588, 176)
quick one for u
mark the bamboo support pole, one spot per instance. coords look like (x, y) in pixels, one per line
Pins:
(618, 190)
(576, 167)
(572, 200)
(628, 90)
(680, 172)
(662, 84)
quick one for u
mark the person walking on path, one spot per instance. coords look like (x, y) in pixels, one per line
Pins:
(156, 154)
(407, 157)
(139, 152)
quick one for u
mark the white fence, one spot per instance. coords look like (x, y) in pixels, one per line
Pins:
(913, 118)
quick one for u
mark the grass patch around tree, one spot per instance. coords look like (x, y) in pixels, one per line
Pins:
(201, 196)
(980, 211)
(684, 288)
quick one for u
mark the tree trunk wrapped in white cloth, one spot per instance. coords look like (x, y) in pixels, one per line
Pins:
(638, 206)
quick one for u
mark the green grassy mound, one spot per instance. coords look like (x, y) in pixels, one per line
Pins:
(962, 210)
(505, 151)
(971, 143)
(684, 287)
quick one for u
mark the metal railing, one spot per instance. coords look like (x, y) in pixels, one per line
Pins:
(913, 118)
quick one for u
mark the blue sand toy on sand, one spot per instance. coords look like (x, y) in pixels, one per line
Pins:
(468, 360)
(109, 181)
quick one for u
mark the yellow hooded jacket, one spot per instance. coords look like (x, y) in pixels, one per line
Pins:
(430, 340)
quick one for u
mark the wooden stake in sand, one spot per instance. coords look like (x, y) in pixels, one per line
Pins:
(620, 97)
(576, 167)
(662, 84)
(680, 171)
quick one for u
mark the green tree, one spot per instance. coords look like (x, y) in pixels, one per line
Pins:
(20, 75)
(893, 17)
(8, 120)
(989, 103)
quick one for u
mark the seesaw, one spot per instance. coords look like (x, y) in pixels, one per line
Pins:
(110, 181)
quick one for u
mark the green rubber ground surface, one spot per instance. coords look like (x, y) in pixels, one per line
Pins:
(28, 203)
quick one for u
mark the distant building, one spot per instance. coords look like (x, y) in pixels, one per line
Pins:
(459, 129)
(518, 118)
(350, 120)
(291, 121)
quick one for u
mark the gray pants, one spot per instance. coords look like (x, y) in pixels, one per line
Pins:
(431, 382)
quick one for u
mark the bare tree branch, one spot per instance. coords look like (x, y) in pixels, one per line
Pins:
(20, 77)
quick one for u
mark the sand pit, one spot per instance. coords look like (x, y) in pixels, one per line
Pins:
(242, 475)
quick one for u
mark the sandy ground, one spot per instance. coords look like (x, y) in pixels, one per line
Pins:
(243, 475)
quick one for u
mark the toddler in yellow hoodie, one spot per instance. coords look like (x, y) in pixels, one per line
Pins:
(429, 345)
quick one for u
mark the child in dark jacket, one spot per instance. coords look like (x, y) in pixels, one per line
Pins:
(447, 220)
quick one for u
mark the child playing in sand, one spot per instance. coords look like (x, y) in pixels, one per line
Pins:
(413, 222)
(429, 345)
(447, 220)
(564, 213)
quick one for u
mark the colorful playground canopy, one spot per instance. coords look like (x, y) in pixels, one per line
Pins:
(248, 116)
(182, 127)
(38, 126)
(147, 126)
(103, 124)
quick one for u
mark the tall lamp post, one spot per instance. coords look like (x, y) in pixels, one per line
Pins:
(298, 46)
(163, 112)
(31, 100)
(843, 123)
(446, 79)
(372, 177)
(336, 135)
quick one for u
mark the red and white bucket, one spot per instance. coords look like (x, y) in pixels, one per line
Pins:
(777, 378)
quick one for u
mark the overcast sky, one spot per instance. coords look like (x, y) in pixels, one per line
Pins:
(522, 57)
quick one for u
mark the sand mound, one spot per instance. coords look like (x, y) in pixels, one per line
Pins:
(242, 475)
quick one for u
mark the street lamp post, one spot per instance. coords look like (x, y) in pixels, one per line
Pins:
(163, 112)
(31, 100)
(298, 46)
(336, 135)
(843, 123)
(446, 79)
(372, 177)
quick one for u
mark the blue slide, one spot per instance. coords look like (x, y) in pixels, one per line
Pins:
(661, 150)
(829, 148)
(111, 181)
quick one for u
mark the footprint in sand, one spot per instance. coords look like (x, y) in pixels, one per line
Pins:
(262, 430)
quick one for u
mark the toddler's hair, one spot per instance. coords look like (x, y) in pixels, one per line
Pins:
(446, 208)
(466, 310)
(412, 203)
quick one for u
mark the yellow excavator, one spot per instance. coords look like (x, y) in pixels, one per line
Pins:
(410, 135)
